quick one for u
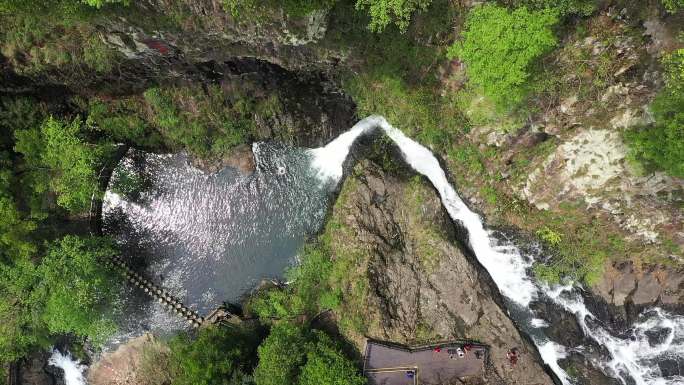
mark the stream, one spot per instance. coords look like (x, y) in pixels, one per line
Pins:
(210, 238)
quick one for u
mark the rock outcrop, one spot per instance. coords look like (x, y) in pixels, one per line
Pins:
(122, 366)
(423, 285)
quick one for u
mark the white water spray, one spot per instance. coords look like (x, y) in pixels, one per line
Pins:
(73, 370)
(509, 268)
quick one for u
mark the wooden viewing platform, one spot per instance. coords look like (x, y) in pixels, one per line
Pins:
(393, 364)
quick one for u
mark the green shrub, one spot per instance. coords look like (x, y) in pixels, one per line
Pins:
(57, 156)
(100, 3)
(500, 47)
(308, 293)
(76, 289)
(207, 124)
(386, 12)
(14, 227)
(292, 355)
(21, 324)
(219, 355)
(661, 146)
(252, 8)
(281, 355)
(673, 6)
(563, 7)
(550, 237)
(326, 365)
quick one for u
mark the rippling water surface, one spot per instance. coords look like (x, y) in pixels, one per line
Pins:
(211, 237)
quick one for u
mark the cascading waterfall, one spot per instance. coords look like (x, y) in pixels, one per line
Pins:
(73, 370)
(631, 360)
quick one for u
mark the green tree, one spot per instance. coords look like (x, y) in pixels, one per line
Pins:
(500, 46)
(327, 365)
(673, 6)
(76, 292)
(250, 8)
(57, 158)
(214, 125)
(661, 146)
(219, 355)
(563, 7)
(386, 12)
(14, 227)
(281, 355)
(21, 326)
(308, 292)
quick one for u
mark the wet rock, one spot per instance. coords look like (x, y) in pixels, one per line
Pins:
(34, 370)
(671, 367)
(584, 373)
(240, 158)
(657, 336)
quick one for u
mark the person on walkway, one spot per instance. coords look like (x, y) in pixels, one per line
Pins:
(512, 356)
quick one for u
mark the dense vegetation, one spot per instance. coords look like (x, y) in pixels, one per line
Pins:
(500, 46)
(53, 152)
(662, 145)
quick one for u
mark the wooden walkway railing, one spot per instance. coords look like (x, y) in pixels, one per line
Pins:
(171, 303)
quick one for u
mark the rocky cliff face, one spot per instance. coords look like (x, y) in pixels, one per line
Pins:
(423, 286)
(610, 73)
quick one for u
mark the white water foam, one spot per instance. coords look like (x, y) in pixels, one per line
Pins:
(73, 370)
(509, 268)
(634, 357)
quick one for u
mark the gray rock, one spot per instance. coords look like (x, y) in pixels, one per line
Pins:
(420, 276)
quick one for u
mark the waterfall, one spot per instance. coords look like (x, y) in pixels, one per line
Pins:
(631, 360)
(73, 370)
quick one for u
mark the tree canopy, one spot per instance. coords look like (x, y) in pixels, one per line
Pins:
(499, 46)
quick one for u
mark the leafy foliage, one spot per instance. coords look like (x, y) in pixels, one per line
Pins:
(500, 46)
(59, 159)
(291, 355)
(219, 355)
(14, 227)
(241, 8)
(673, 6)
(662, 146)
(386, 12)
(69, 291)
(563, 7)
(326, 365)
(281, 355)
(120, 121)
(309, 282)
(21, 328)
(549, 236)
(213, 126)
(76, 288)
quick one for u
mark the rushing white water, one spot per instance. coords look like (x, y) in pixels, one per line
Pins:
(73, 370)
(634, 357)
(632, 360)
(506, 265)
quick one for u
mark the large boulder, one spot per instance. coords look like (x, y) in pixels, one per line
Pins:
(425, 287)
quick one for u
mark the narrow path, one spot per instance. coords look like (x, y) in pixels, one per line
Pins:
(170, 302)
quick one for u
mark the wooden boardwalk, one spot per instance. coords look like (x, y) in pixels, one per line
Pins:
(389, 364)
